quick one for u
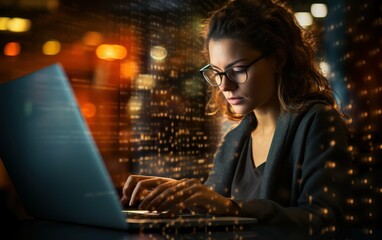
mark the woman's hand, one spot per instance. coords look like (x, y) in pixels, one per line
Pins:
(175, 196)
(138, 186)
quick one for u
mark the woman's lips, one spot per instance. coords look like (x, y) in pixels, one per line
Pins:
(235, 100)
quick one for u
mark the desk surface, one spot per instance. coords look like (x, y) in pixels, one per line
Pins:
(41, 230)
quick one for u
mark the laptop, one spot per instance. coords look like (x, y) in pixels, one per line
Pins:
(55, 165)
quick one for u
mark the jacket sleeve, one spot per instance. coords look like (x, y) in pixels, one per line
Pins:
(323, 179)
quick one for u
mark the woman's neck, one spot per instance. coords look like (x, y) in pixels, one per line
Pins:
(267, 116)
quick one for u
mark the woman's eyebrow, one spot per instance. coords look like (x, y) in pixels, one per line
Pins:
(230, 64)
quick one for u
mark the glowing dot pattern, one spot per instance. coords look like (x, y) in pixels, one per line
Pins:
(362, 61)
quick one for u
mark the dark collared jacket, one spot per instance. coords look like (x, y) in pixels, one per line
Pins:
(305, 179)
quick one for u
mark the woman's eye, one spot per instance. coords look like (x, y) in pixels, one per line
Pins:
(238, 70)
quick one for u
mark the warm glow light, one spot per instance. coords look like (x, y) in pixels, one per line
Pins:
(158, 53)
(111, 52)
(319, 10)
(145, 81)
(325, 68)
(12, 49)
(4, 23)
(89, 110)
(52, 47)
(129, 69)
(92, 38)
(305, 19)
(18, 24)
(135, 105)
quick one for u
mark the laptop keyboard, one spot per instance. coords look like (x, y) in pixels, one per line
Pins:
(138, 214)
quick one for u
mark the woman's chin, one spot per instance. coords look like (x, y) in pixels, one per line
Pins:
(241, 109)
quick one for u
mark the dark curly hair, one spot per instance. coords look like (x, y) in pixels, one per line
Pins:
(269, 26)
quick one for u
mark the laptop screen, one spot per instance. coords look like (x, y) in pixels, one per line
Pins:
(50, 154)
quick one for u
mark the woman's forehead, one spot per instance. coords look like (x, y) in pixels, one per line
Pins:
(225, 50)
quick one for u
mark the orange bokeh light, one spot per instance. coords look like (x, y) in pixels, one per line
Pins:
(12, 49)
(89, 110)
(111, 52)
(129, 69)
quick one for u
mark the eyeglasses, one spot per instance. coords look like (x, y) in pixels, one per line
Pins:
(236, 74)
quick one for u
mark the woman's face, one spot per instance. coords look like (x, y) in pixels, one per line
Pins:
(259, 89)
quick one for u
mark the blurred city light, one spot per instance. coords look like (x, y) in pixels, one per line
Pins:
(18, 24)
(305, 19)
(12, 49)
(145, 81)
(4, 23)
(135, 105)
(92, 38)
(158, 53)
(319, 10)
(52, 47)
(325, 68)
(111, 52)
(129, 69)
(89, 110)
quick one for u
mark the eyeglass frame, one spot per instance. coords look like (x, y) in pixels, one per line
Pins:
(224, 73)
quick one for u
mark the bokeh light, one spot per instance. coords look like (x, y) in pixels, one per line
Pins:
(88, 109)
(319, 10)
(4, 23)
(51, 47)
(158, 53)
(129, 69)
(325, 68)
(18, 25)
(92, 38)
(111, 52)
(305, 19)
(12, 49)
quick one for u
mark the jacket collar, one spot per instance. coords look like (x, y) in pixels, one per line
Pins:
(276, 154)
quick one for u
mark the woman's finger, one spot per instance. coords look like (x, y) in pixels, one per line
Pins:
(197, 201)
(210, 202)
(157, 192)
(144, 185)
(191, 202)
(175, 195)
(130, 185)
(131, 182)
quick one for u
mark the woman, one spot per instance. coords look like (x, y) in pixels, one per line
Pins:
(285, 162)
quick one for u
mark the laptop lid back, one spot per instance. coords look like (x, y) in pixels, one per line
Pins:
(50, 155)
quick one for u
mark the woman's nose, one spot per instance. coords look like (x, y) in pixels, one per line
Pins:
(227, 85)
